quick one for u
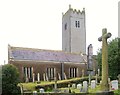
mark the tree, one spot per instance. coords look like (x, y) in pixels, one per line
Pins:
(113, 58)
(10, 79)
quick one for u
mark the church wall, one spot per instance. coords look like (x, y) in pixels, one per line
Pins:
(41, 68)
(79, 67)
(38, 67)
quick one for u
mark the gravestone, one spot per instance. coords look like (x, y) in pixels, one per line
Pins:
(118, 78)
(100, 81)
(98, 72)
(34, 92)
(68, 85)
(96, 78)
(85, 86)
(109, 83)
(89, 78)
(93, 84)
(59, 77)
(83, 72)
(66, 91)
(38, 77)
(21, 88)
(73, 85)
(44, 78)
(55, 85)
(41, 90)
(65, 76)
(93, 73)
(33, 77)
(79, 86)
(108, 80)
(27, 80)
(114, 84)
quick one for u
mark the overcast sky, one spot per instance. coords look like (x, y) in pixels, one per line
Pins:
(38, 23)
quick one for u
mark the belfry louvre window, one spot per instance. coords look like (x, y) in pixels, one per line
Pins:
(77, 24)
(51, 73)
(72, 72)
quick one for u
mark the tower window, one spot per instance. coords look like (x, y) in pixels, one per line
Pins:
(66, 26)
(77, 24)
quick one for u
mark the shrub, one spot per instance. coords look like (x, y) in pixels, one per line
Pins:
(10, 79)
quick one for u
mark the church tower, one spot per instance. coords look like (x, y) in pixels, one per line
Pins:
(74, 31)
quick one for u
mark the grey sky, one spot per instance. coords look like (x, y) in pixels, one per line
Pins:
(38, 23)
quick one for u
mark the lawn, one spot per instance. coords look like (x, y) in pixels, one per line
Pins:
(97, 89)
(31, 86)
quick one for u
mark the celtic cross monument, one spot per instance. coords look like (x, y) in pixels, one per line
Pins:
(103, 38)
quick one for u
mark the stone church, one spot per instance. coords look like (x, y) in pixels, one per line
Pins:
(39, 64)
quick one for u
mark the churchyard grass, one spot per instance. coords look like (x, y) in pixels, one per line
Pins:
(31, 85)
(72, 90)
(97, 89)
(117, 92)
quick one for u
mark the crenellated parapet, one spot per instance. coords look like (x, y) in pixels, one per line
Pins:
(74, 11)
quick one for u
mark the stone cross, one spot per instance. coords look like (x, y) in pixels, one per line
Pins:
(103, 38)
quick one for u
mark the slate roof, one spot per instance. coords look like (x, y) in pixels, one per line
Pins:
(20, 53)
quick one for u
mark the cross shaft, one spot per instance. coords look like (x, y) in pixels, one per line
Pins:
(103, 38)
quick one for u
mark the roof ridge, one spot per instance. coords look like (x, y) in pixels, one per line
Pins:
(37, 49)
(25, 53)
